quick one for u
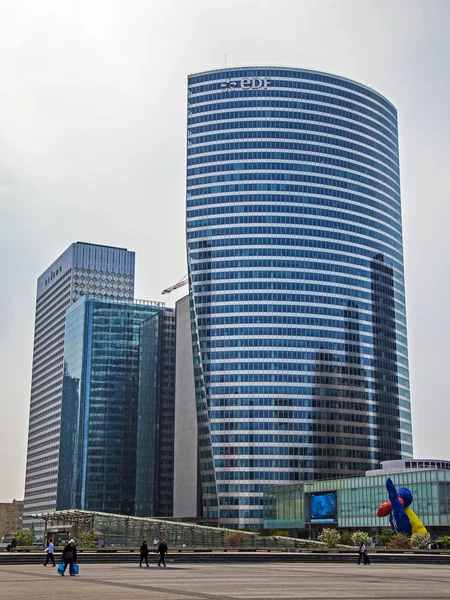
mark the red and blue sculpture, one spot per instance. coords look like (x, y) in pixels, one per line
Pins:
(401, 517)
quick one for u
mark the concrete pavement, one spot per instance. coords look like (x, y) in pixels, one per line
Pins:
(228, 582)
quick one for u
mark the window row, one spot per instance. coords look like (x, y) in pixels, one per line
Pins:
(310, 391)
(199, 134)
(238, 204)
(310, 417)
(318, 254)
(290, 236)
(293, 451)
(321, 146)
(381, 325)
(341, 221)
(238, 161)
(384, 295)
(298, 79)
(294, 342)
(342, 375)
(292, 438)
(335, 384)
(280, 139)
(245, 488)
(324, 362)
(374, 179)
(203, 272)
(313, 306)
(282, 463)
(329, 187)
(297, 101)
(308, 112)
(271, 475)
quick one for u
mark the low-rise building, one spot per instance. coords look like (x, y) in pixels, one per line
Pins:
(352, 503)
(11, 517)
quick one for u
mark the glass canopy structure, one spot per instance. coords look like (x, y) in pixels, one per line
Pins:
(127, 531)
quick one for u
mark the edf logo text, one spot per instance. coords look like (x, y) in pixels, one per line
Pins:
(249, 83)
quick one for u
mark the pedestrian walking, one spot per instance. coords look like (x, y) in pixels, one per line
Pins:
(50, 549)
(69, 557)
(363, 554)
(144, 553)
(162, 549)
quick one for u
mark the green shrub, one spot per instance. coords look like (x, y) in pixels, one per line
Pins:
(360, 537)
(330, 537)
(235, 540)
(400, 541)
(420, 540)
(386, 536)
(346, 538)
(444, 542)
(24, 537)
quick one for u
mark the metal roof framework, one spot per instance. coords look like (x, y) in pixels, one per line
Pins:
(123, 530)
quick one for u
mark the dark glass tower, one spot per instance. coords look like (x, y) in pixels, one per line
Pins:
(295, 253)
(155, 431)
(100, 404)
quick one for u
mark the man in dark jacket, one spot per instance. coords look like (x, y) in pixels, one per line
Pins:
(144, 553)
(69, 556)
(162, 549)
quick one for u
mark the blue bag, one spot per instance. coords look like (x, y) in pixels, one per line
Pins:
(75, 569)
(61, 569)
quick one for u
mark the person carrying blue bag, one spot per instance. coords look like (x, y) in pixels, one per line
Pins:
(69, 557)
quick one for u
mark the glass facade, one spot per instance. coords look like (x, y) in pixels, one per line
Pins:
(99, 414)
(156, 411)
(357, 500)
(295, 254)
(82, 269)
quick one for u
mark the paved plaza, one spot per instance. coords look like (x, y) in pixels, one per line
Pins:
(227, 581)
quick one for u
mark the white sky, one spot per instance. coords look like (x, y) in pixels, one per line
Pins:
(92, 148)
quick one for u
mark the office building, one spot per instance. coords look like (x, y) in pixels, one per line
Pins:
(156, 413)
(352, 503)
(295, 254)
(11, 518)
(102, 423)
(81, 269)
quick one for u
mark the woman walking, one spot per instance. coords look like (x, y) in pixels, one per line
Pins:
(69, 557)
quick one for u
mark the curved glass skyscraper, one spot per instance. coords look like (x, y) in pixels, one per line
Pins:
(294, 240)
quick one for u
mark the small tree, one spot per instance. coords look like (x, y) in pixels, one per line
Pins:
(235, 540)
(400, 542)
(330, 537)
(360, 537)
(420, 540)
(386, 536)
(86, 539)
(24, 537)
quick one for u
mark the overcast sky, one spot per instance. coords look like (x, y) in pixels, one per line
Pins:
(92, 148)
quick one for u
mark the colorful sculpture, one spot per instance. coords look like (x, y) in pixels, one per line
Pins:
(402, 518)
